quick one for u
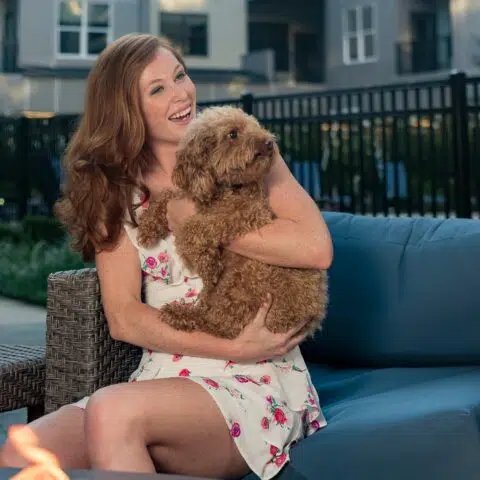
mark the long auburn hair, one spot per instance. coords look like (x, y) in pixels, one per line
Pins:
(108, 155)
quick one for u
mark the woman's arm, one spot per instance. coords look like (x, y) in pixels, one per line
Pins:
(299, 236)
(132, 321)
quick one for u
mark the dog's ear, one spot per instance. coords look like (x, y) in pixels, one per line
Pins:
(192, 177)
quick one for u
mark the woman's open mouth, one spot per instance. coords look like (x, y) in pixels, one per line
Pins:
(182, 117)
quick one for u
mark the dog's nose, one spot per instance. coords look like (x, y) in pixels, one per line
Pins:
(264, 147)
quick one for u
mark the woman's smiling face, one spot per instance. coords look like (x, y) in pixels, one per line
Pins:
(167, 98)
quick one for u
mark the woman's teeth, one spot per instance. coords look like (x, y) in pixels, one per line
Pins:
(182, 115)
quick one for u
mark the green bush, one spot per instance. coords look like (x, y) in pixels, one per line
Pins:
(11, 232)
(33, 229)
(37, 228)
(24, 268)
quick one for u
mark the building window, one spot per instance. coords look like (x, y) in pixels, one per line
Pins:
(84, 27)
(189, 32)
(359, 35)
(265, 35)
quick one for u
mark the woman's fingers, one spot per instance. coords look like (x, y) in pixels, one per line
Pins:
(296, 340)
(298, 328)
(262, 312)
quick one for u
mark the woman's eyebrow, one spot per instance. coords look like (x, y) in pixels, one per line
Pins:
(159, 79)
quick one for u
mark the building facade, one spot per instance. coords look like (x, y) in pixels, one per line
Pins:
(386, 41)
(356, 43)
(47, 52)
(265, 46)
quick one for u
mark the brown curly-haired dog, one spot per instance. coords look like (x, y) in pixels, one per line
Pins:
(221, 165)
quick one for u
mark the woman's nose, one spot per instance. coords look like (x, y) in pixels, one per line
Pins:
(180, 92)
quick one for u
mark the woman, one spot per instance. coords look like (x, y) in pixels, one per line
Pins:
(188, 414)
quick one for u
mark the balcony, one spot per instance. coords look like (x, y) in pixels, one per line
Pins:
(424, 56)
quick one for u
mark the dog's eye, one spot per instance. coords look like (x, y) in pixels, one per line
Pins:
(233, 134)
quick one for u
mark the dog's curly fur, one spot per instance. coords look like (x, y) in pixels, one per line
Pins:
(222, 162)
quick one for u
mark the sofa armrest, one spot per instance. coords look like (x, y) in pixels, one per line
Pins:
(81, 356)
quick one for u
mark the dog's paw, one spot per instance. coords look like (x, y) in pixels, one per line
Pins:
(148, 235)
(146, 239)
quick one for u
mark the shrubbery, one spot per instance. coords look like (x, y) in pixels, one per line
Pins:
(29, 252)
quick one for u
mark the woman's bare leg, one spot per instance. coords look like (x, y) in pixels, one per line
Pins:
(61, 432)
(177, 419)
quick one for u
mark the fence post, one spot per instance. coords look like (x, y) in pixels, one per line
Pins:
(247, 103)
(22, 150)
(461, 152)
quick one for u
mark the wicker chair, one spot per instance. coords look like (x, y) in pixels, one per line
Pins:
(81, 356)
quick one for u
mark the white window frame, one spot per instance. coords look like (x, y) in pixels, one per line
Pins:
(84, 29)
(359, 35)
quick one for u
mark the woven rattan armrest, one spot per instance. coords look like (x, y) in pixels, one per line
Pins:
(22, 379)
(81, 356)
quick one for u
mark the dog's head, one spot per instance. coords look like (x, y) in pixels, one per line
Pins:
(222, 146)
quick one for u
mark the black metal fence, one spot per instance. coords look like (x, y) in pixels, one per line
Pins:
(402, 149)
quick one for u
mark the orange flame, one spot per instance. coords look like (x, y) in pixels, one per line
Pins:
(44, 464)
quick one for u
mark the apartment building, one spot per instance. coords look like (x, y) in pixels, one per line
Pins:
(264, 46)
(384, 41)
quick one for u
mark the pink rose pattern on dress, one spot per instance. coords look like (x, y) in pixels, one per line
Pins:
(287, 366)
(235, 430)
(277, 413)
(229, 364)
(157, 268)
(214, 385)
(278, 457)
(191, 293)
(189, 298)
(265, 423)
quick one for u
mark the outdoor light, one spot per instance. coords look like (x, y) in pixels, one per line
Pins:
(181, 5)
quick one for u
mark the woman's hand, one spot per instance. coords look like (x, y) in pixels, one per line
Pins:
(256, 343)
(178, 211)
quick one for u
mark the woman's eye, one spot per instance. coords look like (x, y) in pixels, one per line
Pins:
(158, 89)
(233, 134)
(181, 75)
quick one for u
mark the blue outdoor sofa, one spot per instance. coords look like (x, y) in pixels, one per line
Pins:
(397, 367)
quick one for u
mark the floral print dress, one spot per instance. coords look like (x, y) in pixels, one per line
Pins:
(268, 406)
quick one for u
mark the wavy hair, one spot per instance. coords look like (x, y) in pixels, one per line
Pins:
(107, 155)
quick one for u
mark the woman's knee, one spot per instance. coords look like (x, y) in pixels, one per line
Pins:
(6, 455)
(60, 432)
(110, 413)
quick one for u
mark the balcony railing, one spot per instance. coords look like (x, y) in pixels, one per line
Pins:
(424, 56)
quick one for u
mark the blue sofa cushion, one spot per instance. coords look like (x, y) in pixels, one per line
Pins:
(395, 423)
(403, 291)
